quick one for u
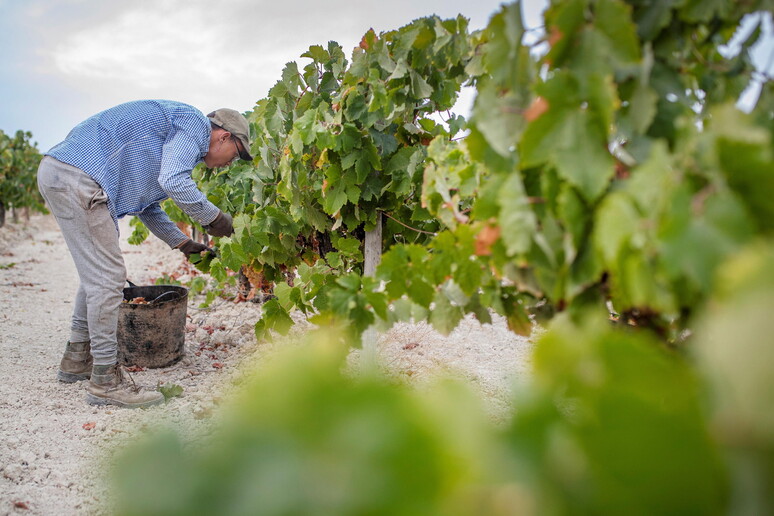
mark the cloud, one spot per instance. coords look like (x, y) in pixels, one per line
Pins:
(145, 46)
(148, 44)
(151, 49)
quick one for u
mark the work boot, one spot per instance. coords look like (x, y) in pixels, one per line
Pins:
(76, 362)
(113, 385)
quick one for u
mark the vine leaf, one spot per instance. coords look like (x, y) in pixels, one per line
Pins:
(444, 316)
(516, 216)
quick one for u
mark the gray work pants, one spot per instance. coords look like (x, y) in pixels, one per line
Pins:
(80, 207)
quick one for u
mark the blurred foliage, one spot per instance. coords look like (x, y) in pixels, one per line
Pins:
(303, 438)
(19, 160)
(139, 232)
(614, 425)
(611, 422)
(734, 352)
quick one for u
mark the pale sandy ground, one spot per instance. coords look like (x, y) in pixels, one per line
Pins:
(51, 441)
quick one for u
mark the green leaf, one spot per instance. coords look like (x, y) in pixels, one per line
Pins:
(642, 107)
(735, 356)
(507, 91)
(351, 282)
(291, 78)
(696, 244)
(169, 390)
(581, 156)
(400, 170)
(518, 319)
(746, 158)
(401, 70)
(420, 292)
(335, 196)
(506, 31)
(347, 245)
(318, 53)
(517, 222)
(574, 214)
(362, 169)
(486, 204)
(652, 183)
(283, 291)
(379, 303)
(385, 62)
(705, 10)
(140, 232)
(444, 316)
(613, 19)
(624, 390)
(275, 318)
(617, 223)
(653, 17)
(571, 135)
(355, 107)
(419, 86)
(564, 19)
(349, 159)
(385, 141)
(202, 261)
(468, 273)
(497, 116)
(457, 123)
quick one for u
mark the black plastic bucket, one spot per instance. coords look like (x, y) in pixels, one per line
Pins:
(152, 334)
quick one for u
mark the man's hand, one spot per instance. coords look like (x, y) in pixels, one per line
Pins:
(221, 226)
(190, 247)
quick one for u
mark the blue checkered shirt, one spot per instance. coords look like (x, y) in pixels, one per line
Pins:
(141, 153)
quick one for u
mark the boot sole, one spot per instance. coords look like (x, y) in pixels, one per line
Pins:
(71, 377)
(96, 400)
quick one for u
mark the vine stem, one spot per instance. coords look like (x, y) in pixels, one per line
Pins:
(405, 225)
(300, 96)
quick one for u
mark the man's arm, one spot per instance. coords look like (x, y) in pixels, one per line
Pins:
(157, 221)
(180, 155)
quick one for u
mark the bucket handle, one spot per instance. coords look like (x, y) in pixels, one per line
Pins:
(164, 294)
(157, 298)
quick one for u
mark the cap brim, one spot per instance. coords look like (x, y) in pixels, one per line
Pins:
(243, 154)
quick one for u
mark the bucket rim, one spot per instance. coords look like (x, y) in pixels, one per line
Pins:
(158, 291)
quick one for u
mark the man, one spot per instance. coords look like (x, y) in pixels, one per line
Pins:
(125, 161)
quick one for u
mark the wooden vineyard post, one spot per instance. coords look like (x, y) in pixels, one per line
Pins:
(372, 257)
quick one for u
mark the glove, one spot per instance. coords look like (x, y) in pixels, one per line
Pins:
(190, 247)
(221, 226)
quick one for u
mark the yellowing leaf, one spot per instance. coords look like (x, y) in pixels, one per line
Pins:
(486, 238)
(537, 108)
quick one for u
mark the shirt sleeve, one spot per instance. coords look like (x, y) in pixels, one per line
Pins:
(179, 156)
(158, 223)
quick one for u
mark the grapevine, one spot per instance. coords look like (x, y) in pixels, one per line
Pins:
(602, 172)
(19, 160)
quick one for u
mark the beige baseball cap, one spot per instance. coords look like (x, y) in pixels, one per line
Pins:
(232, 121)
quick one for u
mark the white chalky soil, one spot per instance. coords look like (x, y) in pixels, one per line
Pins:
(52, 442)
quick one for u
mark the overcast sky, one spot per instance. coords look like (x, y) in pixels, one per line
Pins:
(64, 60)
